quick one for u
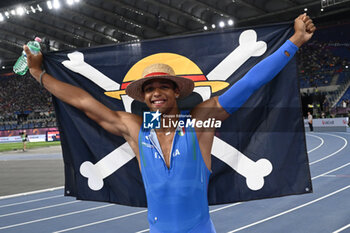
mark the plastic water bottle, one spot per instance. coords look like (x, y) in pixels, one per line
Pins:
(21, 66)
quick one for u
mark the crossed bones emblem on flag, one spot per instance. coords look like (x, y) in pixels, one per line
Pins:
(254, 172)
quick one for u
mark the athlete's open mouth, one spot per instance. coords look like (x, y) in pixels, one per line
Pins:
(158, 102)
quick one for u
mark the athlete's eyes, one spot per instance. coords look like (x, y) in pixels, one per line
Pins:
(148, 89)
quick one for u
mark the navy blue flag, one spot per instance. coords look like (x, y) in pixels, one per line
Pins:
(259, 152)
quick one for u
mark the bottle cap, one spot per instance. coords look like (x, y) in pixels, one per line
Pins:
(37, 39)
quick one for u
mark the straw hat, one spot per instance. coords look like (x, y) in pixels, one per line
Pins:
(156, 71)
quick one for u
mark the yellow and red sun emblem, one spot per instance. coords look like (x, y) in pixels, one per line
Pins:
(182, 66)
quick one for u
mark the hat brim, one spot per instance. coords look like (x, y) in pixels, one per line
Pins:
(134, 89)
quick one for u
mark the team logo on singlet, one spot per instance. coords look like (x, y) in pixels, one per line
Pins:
(181, 131)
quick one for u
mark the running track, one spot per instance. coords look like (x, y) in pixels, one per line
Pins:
(326, 210)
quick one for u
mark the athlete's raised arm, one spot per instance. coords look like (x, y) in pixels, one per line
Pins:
(259, 75)
(117, 122)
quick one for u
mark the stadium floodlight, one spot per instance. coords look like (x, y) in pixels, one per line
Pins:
(3, 67)
(221, 24)
(70, 2)
(1, 17)
(305, 9)
(33, 9)
(205, 28)
(7, 14)
(76, 0)
(56, 4)
(39, 8)
(13, 12)
(20, 10)
(213, 26)
(49, 5)
(230, 22)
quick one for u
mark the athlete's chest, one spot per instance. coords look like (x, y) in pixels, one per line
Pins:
(168, 151)
(167, 143)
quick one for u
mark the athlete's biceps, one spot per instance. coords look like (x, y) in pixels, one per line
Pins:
(117, 123)
(204, 109)
(211, 109)
(128, 125)
(104, 116)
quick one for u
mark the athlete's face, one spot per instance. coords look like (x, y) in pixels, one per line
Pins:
(161, 94)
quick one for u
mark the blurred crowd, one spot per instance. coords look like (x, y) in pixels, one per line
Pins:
(318, 64)
(323, 70)
(24, 104)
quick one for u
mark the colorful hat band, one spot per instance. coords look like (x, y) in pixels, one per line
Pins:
(156, 74)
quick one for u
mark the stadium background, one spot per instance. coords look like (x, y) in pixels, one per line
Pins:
(323, 63)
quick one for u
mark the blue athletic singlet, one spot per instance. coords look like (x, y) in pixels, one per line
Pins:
(176, 196)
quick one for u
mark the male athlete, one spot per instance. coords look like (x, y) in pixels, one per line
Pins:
(175, 166)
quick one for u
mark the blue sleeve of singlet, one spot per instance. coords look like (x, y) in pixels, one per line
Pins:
(260, 74)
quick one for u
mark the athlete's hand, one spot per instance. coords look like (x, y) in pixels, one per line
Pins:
(304, 30)
(34, 62)
(303, 25)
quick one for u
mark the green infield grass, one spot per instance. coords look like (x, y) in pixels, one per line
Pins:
(30, 145)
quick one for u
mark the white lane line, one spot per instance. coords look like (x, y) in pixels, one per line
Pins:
(225, 207)
(102, 221)
(290, 210)
(53, 217)
(146, 230)
(266, 219)
(322, 141)
(345, 144)
(30, 193)
(40, 208)
(335, 169)
(34, 200)
(342, 229)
